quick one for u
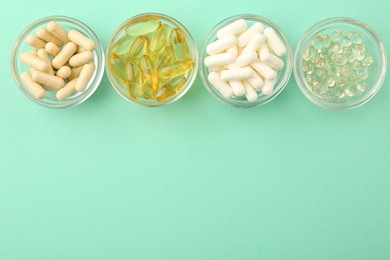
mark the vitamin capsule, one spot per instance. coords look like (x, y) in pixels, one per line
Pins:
(117, 67)
(263, 48)
(122, 46)
(275, 42)
(139, 48)
(48, 37)
(85, 76)
(250, 93)
(272, 60)
(237, 87)
(179, 44)
(254, 44)
(166, 56)
(222, 86)
(64, 72)
(158, 41)
(178, 83)
(268, 86)
(244, 60)
(233, 50)
(75, 72)
(176, 68)
(64, 55)
(67, 91)
(81, 40)
(57, 30)
(237, 74)
(80, 49)
(37, 90)
(35, 42)
(52, 49)
(221, 45)
(33, 61)
(233, 28)
(134, 80)
(165, 93)
(81, 59)
(48, 80)
(219, 60)
(264, 70)
(149, 72)
(143, 27)
(256, 81)
(42, 53)
(244, 38)
(34, 52)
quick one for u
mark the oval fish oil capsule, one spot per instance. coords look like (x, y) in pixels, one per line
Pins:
(81, 40)
(84, 77)
(64, 72)
(67, 91)
(250, 93)
(48, 80)
(176, 68)
(264, 70)
(219, 60)
(222, 86)
(81, 59)
(64, 55)
(58, 31)
(237, 87)
(37, 90)
(143, 27)
(233, 28)
(139, 48)
(222, 44)
(237, 74)
(275, 42)
(248, 34)
(35, 42)
(272, 60)
(52, 48)
(48, 37)
(34, 61)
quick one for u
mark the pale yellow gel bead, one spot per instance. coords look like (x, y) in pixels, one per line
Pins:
(81, 40)
(50, 81)
(37, 90)
(81, 59)
(64, 55)
(34, 61)
(48, 37)
(64, 72)
(75, 72)
(85, 75)
(52, 48)
(58, 31)
(35, 42)
(67, 91)
(42, 53)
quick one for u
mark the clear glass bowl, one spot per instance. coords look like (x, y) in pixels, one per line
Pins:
(191, 75)
(374, 48)
(19, 67)
(283, 75)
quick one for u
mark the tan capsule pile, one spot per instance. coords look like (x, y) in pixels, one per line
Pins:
(61, 61)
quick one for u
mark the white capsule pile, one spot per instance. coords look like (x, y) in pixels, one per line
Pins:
(60, 62)
(245, 60)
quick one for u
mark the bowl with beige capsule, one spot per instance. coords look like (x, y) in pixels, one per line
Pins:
(58, 62)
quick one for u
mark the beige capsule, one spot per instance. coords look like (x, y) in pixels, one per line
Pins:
(84, 77)
(64, 55)
(51, 81)
(58, 31)
(64, 72)
(81, 40)
(75, 72)
(80, 49)
(52, 48)
(34, 61)
(32, 69)
(42, 53)
(35, 42)
(67, 91)
(48, 37)
(34, 52)
(81, 59)
(37, 90)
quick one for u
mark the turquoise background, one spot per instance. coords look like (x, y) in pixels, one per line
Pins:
(195, 179)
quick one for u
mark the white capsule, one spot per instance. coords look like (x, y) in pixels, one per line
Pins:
(219, 60)
(250, 93)
(222, 86)
(254, 44)
(237, 74)
(233, 50)
(221, 45)
(237, 87)
(269, 86)
(67, 91)
(37, 90)
(274, 42)
(234, 28)
(256, 81)
(272, 60)
(248, 34)
(264, 70)
(244, 60)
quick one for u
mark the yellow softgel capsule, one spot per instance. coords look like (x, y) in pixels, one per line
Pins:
(143, 26)
(117, 67)
(122, 46)
(176, 68)
(158, 41)
(165, 93)
(138, 48)
(179, 43)
(149, 72)
(166, 56)
(134, 80)
(177, 83)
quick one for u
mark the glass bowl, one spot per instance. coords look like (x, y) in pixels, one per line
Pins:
(190, 75)
(50, 100)
(356, 79)
(283, 75)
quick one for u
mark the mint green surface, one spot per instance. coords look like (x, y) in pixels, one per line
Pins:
(195, 179)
